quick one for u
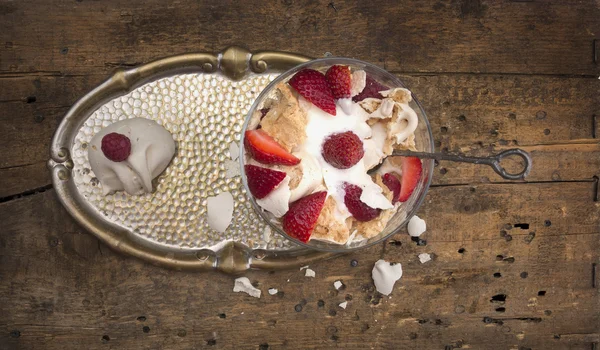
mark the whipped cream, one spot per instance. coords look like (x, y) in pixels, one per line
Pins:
(350, 117)
(152, 148)
(311, 176)
(277, 202)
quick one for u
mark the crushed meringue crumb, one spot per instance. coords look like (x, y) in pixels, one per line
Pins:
(424, 257)
(343, 305)
(416, 226)
(272, 291)
(243, 284)
(338, 284)
(309, 273)
(219, 211)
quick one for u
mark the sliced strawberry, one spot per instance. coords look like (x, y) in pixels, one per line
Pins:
(302, 216)
(340, 81)
(264, 149)
(312, 85)
(392, 182)
(356, 207)
(372, 88)
(261, 181)
(343, 150)
(411, 173)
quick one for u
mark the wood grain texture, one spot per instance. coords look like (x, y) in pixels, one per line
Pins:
(491, 75)
(76, 37)
(61, 288)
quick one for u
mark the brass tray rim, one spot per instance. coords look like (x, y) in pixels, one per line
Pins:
(233, 257)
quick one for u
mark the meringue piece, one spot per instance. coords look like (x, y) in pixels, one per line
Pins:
(219, 211)
(310, 273)
(243, 284)
(152, 148)
(351, 238)
(277, 202)
(311, 176)
(385, 276)
(272, 291)
(232, 169)
(234, 150)
(385, 109)
(343, 305)
(373, 196)
(400, 95)
(338, 284)
(405, 124)
(424, 257)
(267, 234)
(374, 147)
(359, 81)
(303, 267)
(416, 226)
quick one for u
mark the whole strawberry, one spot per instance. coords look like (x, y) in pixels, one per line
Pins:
(313, 86)
(356, 207)
(116, 147)
(301, 218)
(340, 81)
(343, 150)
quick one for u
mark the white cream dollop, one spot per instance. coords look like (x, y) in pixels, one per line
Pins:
(349, 117)
(277, 202)
(385, 276)
(152, 148)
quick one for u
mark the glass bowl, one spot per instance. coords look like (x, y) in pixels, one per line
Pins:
(423, 139)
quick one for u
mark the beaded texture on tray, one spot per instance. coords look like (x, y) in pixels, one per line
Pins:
(205, 114)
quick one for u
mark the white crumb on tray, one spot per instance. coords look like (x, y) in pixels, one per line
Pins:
(416, 226)
(338, 284)
(243, 284)
(267, 234)
(385, 276)
(424, 257)
(309, 273)
(234, 150)
(304, 267)
(343, 305)
(219, 211)
(232, 168)
(273, 291)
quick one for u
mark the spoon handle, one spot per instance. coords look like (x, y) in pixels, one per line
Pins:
(493, 161)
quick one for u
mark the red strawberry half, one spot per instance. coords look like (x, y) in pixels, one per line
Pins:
(340, 81)
(343, 150)
(372, 88)
(411, 173)
(356, 207)
(392, 182)
(264, 149)
(302, 216)
(312, 85)
(262, 181)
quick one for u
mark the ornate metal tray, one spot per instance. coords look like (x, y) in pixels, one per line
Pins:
(202, 99)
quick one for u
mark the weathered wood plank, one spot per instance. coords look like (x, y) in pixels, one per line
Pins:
(61, 290)
(476, 114)
(461, 36)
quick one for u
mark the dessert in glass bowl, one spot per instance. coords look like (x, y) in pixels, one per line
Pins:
(316, 163)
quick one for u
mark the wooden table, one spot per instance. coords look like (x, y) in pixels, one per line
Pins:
(513, 263)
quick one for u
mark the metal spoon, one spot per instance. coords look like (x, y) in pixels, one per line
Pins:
(493, 161)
